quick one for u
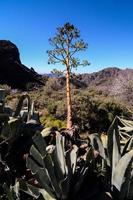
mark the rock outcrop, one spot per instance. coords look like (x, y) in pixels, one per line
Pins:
(12, 71)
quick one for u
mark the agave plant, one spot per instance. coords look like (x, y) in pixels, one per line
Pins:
(12, 125)
(118, 155)
(16, 133)
(54, 169)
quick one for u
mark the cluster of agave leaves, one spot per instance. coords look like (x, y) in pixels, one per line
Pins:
(58, 171)
(116, 151)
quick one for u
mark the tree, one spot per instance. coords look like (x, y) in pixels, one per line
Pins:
(66, 44)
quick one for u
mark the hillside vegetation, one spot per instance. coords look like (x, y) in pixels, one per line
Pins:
(95, 102)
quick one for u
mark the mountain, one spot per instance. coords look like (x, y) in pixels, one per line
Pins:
(105, 80)
(96, 78)
(108, 78)
(12, 71)
(113, 81)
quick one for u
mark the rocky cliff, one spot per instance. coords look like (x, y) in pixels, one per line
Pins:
(12, 71)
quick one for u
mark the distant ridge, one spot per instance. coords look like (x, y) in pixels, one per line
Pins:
(111, 81)
(114, 82)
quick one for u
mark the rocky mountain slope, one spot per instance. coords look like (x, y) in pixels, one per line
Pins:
(110, 79)
(113, 82)
(12, 71)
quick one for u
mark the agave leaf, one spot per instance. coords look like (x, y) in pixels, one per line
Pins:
(50, 168)
(120, 169)
(12, 191)
(44, 180)
(71, 161)
(124, 137)
(57, 168)
(40, 144)
(32, 165)
(125, 122)
(73, 158)
(46, 132)
(128, 146)
(37, 156)
(33, 122)
(6, 131)
(2, 94)
(29, 189)
(97, 144)
(68, 164)
(104, 139)
(65, 186)
(16, 189)
(60, 152)
(8, 191)
(46, 195)
(89, 157)
(113, 144)
(115, 154)
(50, 148)
(32, 110)
(125, 188)
(37, 166)
(34, 191)
(130, 191)
(20, 105)
(39, 172)
(10, 128)
(78, 184)
(14, 124)
(4, 117)
(42, 166)
(104, 168)
(126, 129)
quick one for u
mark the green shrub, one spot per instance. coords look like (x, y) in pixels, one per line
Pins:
(49, 121)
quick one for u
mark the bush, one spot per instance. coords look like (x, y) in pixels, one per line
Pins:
(49, 121)
(96, 112)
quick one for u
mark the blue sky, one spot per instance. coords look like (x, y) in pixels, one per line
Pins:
(106, 25)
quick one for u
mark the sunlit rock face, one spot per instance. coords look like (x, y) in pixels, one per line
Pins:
(12, 71)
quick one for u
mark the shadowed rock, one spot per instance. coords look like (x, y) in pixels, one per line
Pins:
(12, 71)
